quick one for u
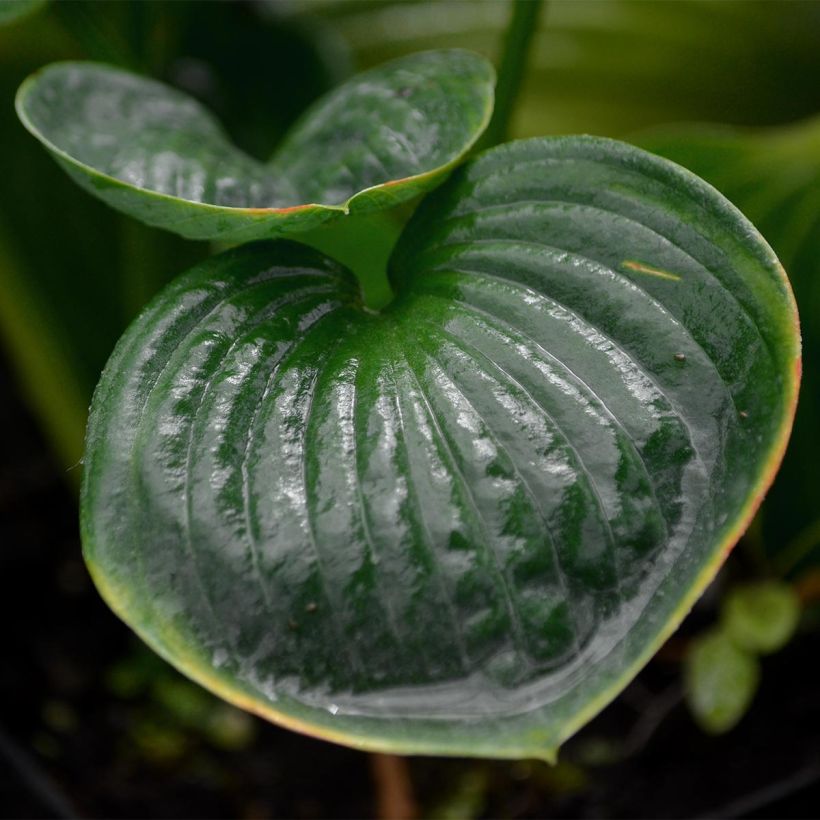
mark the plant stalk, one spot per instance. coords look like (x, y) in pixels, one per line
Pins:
(363, 243)
(514, 58)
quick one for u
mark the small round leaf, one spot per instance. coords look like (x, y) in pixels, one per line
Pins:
(761, 617)
(459, 526)
(721, 680)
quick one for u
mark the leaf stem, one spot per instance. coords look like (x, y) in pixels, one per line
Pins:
(363, 243)
(514, 57)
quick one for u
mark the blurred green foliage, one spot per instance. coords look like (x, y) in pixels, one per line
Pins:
(610, 67)
(721, 680)
(761, 617)
(174, 711)
(722, 667)
(11, 10)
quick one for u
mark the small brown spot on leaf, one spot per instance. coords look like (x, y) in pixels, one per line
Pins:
(649, 270)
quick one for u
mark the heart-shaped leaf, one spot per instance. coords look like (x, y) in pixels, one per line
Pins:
(462, 525)
(157, 154)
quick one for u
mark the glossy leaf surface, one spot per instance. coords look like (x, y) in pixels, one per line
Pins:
(461, 525)
(157, 154)
(773, 176)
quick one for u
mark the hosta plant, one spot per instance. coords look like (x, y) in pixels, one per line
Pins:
(457, 520)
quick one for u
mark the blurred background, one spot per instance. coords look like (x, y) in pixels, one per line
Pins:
(92, 724)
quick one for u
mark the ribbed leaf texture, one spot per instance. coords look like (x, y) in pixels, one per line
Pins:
(461, 525)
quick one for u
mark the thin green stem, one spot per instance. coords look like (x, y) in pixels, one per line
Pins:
(139, 267)
(514, 57)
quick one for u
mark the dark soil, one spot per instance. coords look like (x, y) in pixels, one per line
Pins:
(81, 735)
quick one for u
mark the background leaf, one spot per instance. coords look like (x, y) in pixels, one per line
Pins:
(721, 680)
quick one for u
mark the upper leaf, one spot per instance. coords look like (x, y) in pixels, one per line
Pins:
(459, 526)
(158, 155)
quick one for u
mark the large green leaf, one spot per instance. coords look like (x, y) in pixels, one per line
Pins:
(460, 525)
(157, 154)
